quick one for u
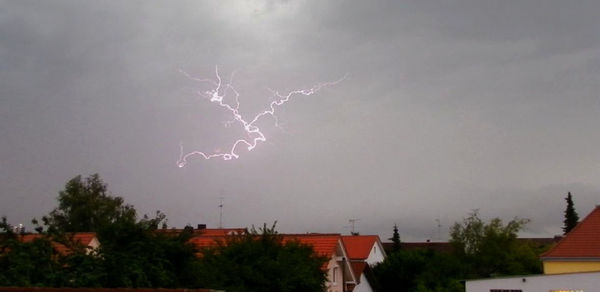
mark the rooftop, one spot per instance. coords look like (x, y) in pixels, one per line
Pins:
(582, 242)
(359, 247)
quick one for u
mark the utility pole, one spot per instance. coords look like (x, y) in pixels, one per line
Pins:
(220, 212)
(439, 228)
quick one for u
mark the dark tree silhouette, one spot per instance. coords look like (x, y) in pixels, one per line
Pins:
(571, 217)
(395, 239)
(85, 205)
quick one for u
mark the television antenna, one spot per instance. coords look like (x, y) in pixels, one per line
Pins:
(220, 212)
(352, 225)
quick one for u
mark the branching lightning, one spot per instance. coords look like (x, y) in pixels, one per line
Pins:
(222, 90)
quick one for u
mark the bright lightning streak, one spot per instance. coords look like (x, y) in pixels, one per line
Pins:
(220, 91)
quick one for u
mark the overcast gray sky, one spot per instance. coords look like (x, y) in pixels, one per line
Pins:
(448, 106)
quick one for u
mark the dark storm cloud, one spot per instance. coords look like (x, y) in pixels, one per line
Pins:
(448, 107)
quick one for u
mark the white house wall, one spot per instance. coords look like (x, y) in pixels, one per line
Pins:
(364, 285)
(376, 255)
(576, 282)
(334, 267)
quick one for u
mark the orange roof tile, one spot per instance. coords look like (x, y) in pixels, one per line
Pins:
(83, 238)
(582, 242)
(322, 244)
(358, 268)
(359, 247)
(207, 241)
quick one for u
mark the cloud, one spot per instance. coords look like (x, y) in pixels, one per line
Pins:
(448, 107)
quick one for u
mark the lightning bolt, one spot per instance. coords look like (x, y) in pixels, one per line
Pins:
(223, 89)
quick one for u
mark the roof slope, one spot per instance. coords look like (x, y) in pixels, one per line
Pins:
(582, 242)
(83, 238)
(359, 247)
(322, 244)
(358, 269)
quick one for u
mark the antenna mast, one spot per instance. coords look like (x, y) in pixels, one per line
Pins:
(439, 228)
(352, 225)
(220, 212)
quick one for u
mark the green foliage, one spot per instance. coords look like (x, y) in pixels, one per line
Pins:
(492, 249)
(85, 205)
(133, 255)
(261, 261)
(571, 217)
(481, 249)
(26, 264)
(419, 270)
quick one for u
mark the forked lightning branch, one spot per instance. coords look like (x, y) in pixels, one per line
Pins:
(223, 91)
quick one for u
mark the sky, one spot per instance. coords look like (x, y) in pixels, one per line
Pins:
(447, 107)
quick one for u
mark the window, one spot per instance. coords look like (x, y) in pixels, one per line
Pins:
(334, 276)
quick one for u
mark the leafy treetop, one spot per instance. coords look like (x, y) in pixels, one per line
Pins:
(86, 206)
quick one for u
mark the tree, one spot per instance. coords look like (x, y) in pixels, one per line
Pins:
(395, 239)
(85, 205)
(26, 263)
(261, 261)
(571, 217)
(419, 270)
(131, 254)
(135, 255)
(492, 248)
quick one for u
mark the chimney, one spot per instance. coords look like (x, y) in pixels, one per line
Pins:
(201, 226)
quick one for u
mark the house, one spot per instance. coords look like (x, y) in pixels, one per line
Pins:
(340, 274)
(578, 250)
(572, 265)
(364, 252)
(87, 240)
(575, 282)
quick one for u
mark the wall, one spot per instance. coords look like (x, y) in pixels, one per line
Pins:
(556, 267)
(585, 282)
(364, 285)
(376, 255)
(338, 285)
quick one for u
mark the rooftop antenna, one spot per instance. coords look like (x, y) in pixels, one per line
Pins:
(220, 212)
(352, 225)
(439, 227)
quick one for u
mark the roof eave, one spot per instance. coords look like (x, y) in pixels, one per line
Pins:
(571, 259)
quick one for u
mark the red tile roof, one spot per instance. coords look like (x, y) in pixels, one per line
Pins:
(207, 241)
(358, 268)
(359, 247)
(582, 242)
(83, 238)
(322, 244)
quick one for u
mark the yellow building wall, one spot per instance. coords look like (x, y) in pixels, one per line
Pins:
(552, 267)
